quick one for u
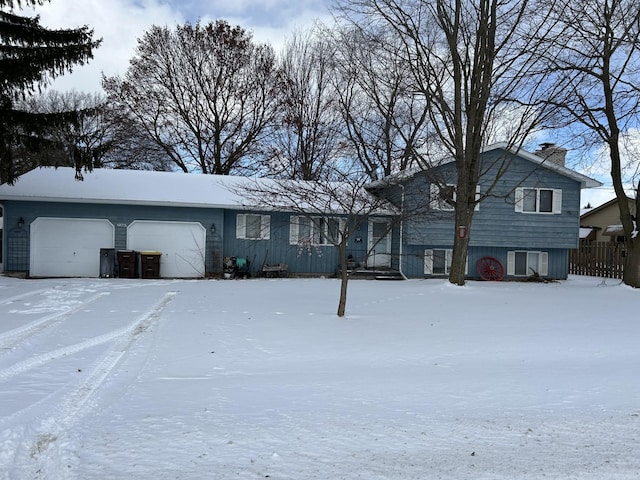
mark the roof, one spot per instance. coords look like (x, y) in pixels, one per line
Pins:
(131, 187)
(585, 232)
(585, 182)
(146, 187)
(613, 230)
(613, 201)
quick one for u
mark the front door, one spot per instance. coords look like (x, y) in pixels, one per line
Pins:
(379, 246)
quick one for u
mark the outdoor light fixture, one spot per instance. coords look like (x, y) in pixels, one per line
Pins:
(21, 222)
(213, 228)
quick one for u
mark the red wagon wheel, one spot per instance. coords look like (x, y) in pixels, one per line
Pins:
(490, 269)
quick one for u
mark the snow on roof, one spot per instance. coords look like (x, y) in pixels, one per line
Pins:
(585, 231)
(141, 187)
(145, 187)
(613, 201)
(585, 182)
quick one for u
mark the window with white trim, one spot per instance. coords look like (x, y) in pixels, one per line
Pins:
(538, 200)
(438, 261)
(252, 226)
(523, 263)
(444, 197)
(315, 230)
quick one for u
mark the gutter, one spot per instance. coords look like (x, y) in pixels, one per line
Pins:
(400, 251)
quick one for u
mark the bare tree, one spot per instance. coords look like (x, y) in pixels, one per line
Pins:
(131, 147)
(303, 140)
(593, 55)
(384, 117)
(335, 209)
(203, 93)
(467, 60)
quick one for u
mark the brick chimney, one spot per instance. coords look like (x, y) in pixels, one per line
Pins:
(552, 153)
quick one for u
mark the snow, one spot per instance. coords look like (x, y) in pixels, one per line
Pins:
(253, 379)
(126, 187)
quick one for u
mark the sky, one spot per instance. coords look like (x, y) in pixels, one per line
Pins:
(111, 379)
(121, 22)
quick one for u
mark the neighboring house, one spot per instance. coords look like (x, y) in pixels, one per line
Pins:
(527, 219)
(602, 223)
(56, 226)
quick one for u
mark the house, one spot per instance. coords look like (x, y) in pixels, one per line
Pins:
(602, 223)
(527, 219)
(56, 226)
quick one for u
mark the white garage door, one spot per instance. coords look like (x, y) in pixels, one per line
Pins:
(68, 247)
(182, 245)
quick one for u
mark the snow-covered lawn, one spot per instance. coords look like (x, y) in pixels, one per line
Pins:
(253, 379)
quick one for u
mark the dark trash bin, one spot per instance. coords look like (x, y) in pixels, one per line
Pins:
(127, 264)
(150, 264)
(107, 262)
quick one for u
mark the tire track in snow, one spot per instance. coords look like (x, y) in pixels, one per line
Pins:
(77, 401)
(22, 295)
(134, 328)
(10, 339)
(33, 452)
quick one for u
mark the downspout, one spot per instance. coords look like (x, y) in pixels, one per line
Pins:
(400, 251)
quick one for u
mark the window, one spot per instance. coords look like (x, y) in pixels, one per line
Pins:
(438, 261)
(444, 197)
(525, 263)
(253, 226)
(315, 230)
(538, 200)
(330, 231)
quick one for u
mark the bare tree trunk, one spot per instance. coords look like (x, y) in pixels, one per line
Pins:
(344, 279)
(459, 259)
(464, 217)
(631, 275)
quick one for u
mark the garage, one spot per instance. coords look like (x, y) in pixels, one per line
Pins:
(68, 247)
(182, 245)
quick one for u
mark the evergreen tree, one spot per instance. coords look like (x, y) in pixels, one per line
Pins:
(30, 55)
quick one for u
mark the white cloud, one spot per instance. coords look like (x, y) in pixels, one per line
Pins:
(121, 22)
(273, 22)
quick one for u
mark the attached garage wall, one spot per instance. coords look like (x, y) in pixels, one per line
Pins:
(17, 253)
(68, 247)
(182, 245)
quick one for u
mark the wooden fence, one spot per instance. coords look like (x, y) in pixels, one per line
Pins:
(597, 259)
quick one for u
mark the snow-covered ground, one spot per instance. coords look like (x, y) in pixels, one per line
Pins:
(254, 379)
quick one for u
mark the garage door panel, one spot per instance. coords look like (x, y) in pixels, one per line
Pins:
(68, 247)
(182, 245)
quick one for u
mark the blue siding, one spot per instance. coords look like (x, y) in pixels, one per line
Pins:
(496, 223)
(413, 260)
(318, 260)
(17, 240)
